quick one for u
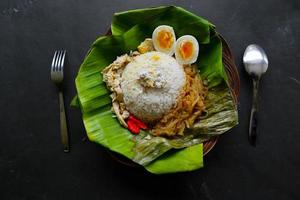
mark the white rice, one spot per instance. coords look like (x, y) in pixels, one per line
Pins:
(150, 103)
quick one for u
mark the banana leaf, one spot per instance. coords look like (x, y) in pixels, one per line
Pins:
(157, 154)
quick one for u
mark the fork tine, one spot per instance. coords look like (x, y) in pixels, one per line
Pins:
(57, 60)
(61, 65)
(53, 62)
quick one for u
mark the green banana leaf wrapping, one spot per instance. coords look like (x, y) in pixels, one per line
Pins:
(157, 154)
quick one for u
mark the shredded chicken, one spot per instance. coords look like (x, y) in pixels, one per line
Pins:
(112, 76)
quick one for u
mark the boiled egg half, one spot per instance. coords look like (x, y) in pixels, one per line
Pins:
(186, 50)
(164, 39)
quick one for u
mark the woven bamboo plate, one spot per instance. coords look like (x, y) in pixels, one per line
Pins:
(234, 81)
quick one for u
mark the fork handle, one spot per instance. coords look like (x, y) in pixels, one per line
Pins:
(63, 123)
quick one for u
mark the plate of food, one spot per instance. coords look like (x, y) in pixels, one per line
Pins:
(159, 89)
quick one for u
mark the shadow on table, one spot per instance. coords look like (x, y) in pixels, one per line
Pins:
(186, 185)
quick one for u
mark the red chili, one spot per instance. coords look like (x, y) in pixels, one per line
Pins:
(133, 127)
(138, 122)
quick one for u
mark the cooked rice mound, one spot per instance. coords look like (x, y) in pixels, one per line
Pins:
(151, 84)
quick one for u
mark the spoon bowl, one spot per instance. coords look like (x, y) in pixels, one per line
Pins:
(255, 60)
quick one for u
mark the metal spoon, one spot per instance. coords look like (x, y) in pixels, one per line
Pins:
(256, 64)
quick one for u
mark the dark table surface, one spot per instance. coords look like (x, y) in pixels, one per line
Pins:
(32, 163)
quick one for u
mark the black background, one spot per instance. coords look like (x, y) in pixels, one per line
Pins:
(32, 163)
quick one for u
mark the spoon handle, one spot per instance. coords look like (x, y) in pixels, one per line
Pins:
(254, 112)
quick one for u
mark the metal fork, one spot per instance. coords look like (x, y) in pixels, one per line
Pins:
(57, 76)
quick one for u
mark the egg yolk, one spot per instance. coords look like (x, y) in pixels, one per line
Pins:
(155, 58)
(165, 39)
(186, 49)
